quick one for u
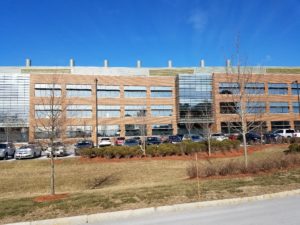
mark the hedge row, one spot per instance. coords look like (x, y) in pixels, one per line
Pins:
(184, 148)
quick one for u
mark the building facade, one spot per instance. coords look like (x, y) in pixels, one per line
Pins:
(86, 102)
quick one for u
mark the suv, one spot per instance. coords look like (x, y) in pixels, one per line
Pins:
(7, 149)
(82, 144)
(174, 139)
(288, 133)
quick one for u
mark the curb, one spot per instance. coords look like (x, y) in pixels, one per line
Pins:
(100, 217)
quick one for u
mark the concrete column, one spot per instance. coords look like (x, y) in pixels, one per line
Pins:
(170, 63)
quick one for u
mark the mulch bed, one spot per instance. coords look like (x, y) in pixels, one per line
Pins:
(49, 198)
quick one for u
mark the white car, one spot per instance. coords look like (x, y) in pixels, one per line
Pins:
(218, 137)
(28, 151)
(105, 142)
(59, 149)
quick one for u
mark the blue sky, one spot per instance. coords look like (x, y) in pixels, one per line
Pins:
(154, 31)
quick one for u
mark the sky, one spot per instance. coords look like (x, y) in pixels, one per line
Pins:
(50, 32)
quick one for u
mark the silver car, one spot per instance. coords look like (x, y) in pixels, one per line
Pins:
(7, 149)
(28, 151)
(59, 149)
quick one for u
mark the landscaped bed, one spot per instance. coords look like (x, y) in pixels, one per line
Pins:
(97, 185)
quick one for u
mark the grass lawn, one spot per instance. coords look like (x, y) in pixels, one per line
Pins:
(97, 186)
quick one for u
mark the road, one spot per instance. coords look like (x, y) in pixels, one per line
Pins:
(282, 211)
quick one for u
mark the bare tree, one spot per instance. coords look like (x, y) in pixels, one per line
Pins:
(206, 115)
(188, 121)
(243, 92)
(50, 118)
(141, 120)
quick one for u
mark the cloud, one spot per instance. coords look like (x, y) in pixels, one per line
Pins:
(198, 20)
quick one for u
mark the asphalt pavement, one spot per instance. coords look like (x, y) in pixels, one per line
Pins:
(280, 211)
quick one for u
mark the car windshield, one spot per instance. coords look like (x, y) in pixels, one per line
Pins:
(83, 143)
(152, 139)
(120, 138)
(105, 139)
(196, 137)
(3, 145)
(24, 146)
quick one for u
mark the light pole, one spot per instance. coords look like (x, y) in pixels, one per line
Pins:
(296, 82)
(96, 97)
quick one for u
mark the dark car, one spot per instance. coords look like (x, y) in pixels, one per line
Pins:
(197, 138)
(138, 139)
(251, 138)
(174, 139)
(271, 137)
(153, 141)
(83, 144)
(131, 142)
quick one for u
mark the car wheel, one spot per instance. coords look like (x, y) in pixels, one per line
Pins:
(6, 156)
(34, 155)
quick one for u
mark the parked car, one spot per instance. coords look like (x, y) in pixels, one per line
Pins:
(218, 136)
(287, 133)
(138, 139)
(83, 144)
(7, 149)
(120, 141)
(131, 142)
(153, 141)
(59, 149)
(270, 137)
(252, 138)
(174, 139)
(197, 138)
(28, 151)
(105, 142)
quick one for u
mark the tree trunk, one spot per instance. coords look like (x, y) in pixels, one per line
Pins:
(245, 149)
(52, 183)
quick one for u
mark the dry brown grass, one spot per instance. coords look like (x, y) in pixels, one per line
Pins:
(95, 186)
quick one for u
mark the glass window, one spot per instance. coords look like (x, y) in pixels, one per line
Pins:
(279, 107)
(275, 125)
(229, 88)
(297, 125)
(231, 127)
(296, 107)
(161, 92)
(47, 111)
(106, 111)
(108, 91)
(79, 111)
(46, 133)
(278, 89)
(135, 91)
(47, 90)
(79, 131)
(229, 107)
(108, 130)
(195, 98)
(135, 130)
(135, 110)
(161, 110)
(79, 90)
(294, 89)
(162, 129)
(256, 107)
(14, 101)
(255, 88)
